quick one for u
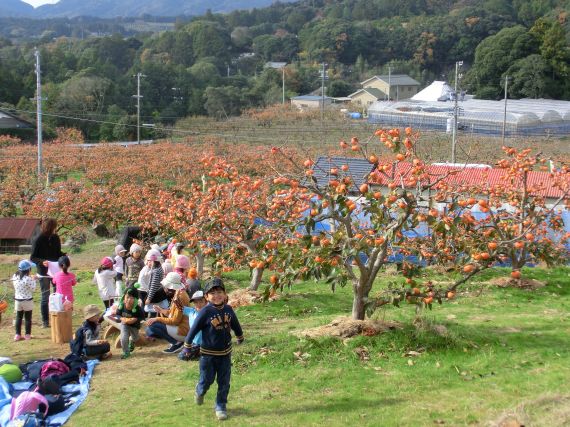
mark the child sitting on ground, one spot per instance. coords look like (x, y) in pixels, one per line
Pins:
(24, 286)
(86, 342)
(215, 321)
(193, 283)
(191, 350)
(131, 315)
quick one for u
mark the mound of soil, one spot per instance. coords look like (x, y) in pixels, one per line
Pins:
(553, 410)
(524, 283)
(345, 327)
(243, 297)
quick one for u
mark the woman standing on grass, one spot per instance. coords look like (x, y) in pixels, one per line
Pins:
(46, 247)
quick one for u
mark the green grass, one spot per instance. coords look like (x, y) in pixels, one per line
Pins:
(489, 352)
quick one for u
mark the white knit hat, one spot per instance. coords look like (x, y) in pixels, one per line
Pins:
(134, 248)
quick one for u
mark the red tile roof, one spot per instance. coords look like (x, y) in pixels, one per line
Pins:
(474, 176)
(18, 228)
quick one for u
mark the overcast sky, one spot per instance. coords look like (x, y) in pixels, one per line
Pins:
(37, 3)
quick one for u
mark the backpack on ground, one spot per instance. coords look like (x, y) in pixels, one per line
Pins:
(11, 373)
(28, 402)
(53, 368)
(31, 419)
(32, 370)
(77, 344)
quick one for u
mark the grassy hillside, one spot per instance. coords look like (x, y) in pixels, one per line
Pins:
(490, 353)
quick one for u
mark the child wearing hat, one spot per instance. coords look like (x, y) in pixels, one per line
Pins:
(131, 315)
(133, 265)
(215, 321)
(24, 286)
(191, 350)
(105, 279)
(173, 325)
(119, 267)
(86, 342)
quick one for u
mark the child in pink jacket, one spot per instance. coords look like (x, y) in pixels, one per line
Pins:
(63, 280)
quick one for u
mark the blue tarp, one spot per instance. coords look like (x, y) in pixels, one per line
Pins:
(54, 420)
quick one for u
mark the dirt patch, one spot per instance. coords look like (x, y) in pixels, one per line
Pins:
(244, 297)
(506, 282)
(552, 411)
(345, 327)
(11, 259)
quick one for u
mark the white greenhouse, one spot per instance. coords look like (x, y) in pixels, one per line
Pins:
(525, 117)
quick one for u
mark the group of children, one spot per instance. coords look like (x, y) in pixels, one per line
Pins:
(132, 289)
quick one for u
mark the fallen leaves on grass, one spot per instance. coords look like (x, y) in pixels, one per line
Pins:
(362, 353)
(245, 297)
(524, 283)
(344, 327)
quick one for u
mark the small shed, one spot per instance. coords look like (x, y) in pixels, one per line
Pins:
(15, 232)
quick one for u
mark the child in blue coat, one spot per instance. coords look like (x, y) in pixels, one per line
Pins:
(215, 321)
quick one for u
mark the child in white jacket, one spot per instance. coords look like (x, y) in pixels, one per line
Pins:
(105, 280)
(119, 267)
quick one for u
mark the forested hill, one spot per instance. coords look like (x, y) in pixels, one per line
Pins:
(126, 8)
(214, 64)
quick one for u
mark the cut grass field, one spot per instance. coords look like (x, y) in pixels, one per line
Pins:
(490, 353)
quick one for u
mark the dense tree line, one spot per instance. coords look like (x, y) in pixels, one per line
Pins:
(214, 64)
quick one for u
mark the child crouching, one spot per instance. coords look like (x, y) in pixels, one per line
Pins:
(131, 315)
(215, 321)
(86, 342)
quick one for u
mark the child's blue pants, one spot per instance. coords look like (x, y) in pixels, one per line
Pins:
(212, 367)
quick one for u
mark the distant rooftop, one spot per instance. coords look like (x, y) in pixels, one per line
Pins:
(18, 228)
(309, 98)
(358, 170)
(395, 80)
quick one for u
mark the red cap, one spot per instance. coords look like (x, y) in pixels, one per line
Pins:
(107, 262)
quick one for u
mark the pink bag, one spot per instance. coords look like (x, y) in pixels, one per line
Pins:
(28, 401)
(53, 367)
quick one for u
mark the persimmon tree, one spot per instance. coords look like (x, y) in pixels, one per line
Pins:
(406, 212)
(233, 218)
(517, 219)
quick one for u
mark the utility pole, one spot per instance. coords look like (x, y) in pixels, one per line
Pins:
(454, 134)
(323, 93)
(39, 110)
(283, 75)
(389, 81)
(138, 96)
(505, 112)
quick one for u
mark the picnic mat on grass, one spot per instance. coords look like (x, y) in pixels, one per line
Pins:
(55, 420)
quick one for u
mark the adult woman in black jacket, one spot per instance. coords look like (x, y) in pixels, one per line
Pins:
(46, 247)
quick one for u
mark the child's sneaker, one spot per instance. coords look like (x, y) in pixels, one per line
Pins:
(125, 355)
(173, 348)
(198, 399)
(28, 337)
(18, 337)
(221, 415)
(131, 346)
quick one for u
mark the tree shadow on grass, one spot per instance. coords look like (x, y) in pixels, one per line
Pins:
(334, 406)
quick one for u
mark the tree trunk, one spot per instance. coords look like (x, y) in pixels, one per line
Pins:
(200, 258)
(358, 302)
(256, 279)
